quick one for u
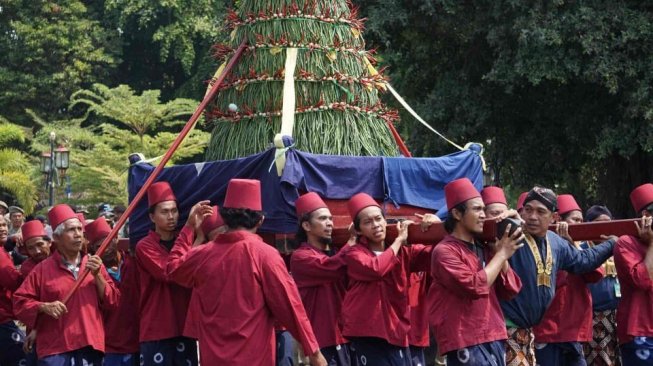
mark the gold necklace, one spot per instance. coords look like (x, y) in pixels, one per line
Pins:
(543, 273)
(609, 266)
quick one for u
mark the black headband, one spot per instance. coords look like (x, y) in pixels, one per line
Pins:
(544, 196)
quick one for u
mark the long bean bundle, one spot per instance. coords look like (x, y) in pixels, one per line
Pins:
(338, 110)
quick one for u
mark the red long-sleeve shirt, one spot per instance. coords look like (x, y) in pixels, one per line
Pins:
(376, 302)
(569, 317)
(82, 325)
(26, 267)
(465, 309)
(10, 279)
(634, 314)
(163, 304)
(121, 324)
(419, 309)
(243, 285)
(321, 283)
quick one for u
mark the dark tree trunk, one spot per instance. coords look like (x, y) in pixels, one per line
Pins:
(619, 177)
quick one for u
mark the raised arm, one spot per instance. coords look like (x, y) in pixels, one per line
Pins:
(582, 261)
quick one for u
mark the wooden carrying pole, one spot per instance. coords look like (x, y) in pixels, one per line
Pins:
(591, 231)
(155, 173)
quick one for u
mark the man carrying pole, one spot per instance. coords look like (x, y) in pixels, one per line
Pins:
(243, 286)
(72, 333)
(163, 303)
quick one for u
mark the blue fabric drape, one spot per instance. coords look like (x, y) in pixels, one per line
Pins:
(412, 181)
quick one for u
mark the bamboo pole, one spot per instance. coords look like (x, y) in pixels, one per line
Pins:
(155, 173)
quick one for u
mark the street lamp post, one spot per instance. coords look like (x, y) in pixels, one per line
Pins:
(51, 174)
(59, 159)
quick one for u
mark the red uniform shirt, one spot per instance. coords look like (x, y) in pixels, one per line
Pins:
(465, 309)
(121, 324)
(242, 286)
(419, 309)
(26, 267)
(163, 304)
(9, 281)
(569, 317)
(192, 317)
(376, 302)
(82, 325)
(321, 283)
(635, 312)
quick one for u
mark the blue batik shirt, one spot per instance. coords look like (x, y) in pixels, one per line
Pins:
(528, 307)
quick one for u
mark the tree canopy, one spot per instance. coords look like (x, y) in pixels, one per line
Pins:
(50, 49)
(559, 92)
(140, 113)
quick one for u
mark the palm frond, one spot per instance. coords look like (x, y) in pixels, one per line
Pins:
(20, 186)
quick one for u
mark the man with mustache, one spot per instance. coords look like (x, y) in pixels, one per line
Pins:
(72, 333)
(567, 321)
(320, 272)
(544, 253)
(163, 303)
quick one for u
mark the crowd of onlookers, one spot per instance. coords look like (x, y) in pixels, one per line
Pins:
(16, 217)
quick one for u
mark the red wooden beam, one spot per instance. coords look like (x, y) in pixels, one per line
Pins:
(155, 173)
(591, 231)
(580, 232)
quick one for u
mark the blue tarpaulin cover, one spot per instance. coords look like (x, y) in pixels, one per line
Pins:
(400, 181)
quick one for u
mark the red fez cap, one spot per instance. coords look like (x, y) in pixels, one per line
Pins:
(32, 229)
(212, 222)
(358, 202)
(159, 192)
(520, 200)
(459, 191)
(59, 214)
(244, 193)
(82, 219)
(492, 195)
(308, 203)
(98, 229)
(566, 204)
(642, 196)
